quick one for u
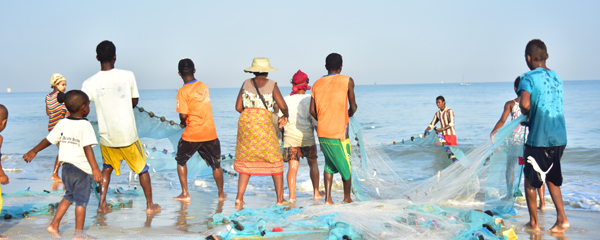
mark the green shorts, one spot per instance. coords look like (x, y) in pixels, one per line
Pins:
(337, 156)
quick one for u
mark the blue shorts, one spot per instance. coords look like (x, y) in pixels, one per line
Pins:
(78, 185)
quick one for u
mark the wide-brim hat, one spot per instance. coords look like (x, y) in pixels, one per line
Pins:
(260, 65)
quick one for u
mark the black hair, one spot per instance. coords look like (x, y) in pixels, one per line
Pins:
(536, 49)
(440, 97)
(74, 99)
(186, 67)
(105, 51)
(60, 97)
(333, 62)
(256, 74)
(3, 112)
(517, 81)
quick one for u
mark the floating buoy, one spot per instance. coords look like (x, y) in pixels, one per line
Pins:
(172, 122)
(7, 216)
(162, 119)
(151, 114)
(141, 109)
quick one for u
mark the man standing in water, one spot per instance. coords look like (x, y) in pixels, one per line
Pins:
(329, 105)
(541, 91)
(115, 94)
(446, 118)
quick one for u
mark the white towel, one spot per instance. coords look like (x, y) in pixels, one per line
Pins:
(537, 168)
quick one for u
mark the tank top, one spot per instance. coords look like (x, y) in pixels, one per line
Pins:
(250, 97)
(331, 99)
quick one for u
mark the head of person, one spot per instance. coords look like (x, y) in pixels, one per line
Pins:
(58, 82)
(333, 62)
(517, 81)
(440, 102)
(260, 67)
(186, 68)
(3, 117)
(106, 52)
(535, 52)
(299, 82)
(77, 102)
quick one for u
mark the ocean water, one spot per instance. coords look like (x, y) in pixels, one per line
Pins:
(388, 113)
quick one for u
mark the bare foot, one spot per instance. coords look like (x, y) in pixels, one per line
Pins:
(560, 227)
(153, 209)
(319, 195)
(239, 202)
(347, 201)
(223, 197)
(292, 200)
(183, 197)
(103, 208)
(542, 207)
(55, 178)
(530, 226)
(79, 235)
(329, 202)
(3, 237)
(53, 232)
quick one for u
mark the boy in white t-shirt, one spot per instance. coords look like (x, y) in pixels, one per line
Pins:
(76, 137)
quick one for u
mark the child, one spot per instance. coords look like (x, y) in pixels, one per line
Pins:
(298, 137)
(200, 135)
(541, 91)
(3, 177)
(56, 110)
(76, 137)
(512, 108)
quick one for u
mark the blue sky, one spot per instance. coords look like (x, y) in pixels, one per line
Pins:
(388, 42)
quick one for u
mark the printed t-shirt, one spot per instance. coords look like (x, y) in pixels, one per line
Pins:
(331, 99)
(547, 126)
(299, 130)
(73, 134)
(112, 91)
(56, 110)
(193, 99)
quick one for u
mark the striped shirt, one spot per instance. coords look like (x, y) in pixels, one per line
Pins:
(56, 110)
(446, 118)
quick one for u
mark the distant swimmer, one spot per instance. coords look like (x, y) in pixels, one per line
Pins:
(199, 135)
(541, 91)
(115, 94)
(445, 116)
(331, 95)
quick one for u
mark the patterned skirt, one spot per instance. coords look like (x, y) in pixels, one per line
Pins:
(257, 151)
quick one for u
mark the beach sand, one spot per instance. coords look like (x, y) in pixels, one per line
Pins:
(181, 220)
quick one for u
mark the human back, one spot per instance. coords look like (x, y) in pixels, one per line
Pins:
(331, 99)
(194, 100)
(112, 91)
(299, 130)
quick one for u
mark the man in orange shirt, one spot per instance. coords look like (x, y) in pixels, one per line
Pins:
(330, 97)
(200, 135)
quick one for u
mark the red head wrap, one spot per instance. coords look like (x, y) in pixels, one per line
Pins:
(299, 82)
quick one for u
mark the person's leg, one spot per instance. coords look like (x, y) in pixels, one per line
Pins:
(278, 182)
(561, 218)
(79, 219)
(291, 178)
(347, 190)
(58, 215)
(530, 196)
(314, 177)
(147, 186)
(242, 184)
(182, 172)
(218, 176)
(328, 179)
(542, 192)
(106, 173)
(55, 176)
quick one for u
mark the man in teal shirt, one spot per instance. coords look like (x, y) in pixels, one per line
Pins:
(541, 91)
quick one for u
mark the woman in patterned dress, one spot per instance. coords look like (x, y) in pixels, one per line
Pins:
(257, 151)
(56, 110)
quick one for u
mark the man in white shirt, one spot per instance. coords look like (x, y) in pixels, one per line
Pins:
(115, 94)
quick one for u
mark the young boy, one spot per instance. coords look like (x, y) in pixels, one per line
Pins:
(541, 91)
(200, 135)
(76, 137)
(3, 177)
(446, 118)
(329, 106)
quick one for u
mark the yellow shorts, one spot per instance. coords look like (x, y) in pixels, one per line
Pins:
(1, 202)
(132, 154)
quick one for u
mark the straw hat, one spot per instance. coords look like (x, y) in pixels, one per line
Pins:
(56, 78)
(260, 65)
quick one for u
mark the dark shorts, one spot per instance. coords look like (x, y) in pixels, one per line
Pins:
(78, 185)
(210, 151)
(544, 156)
(296, 153)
